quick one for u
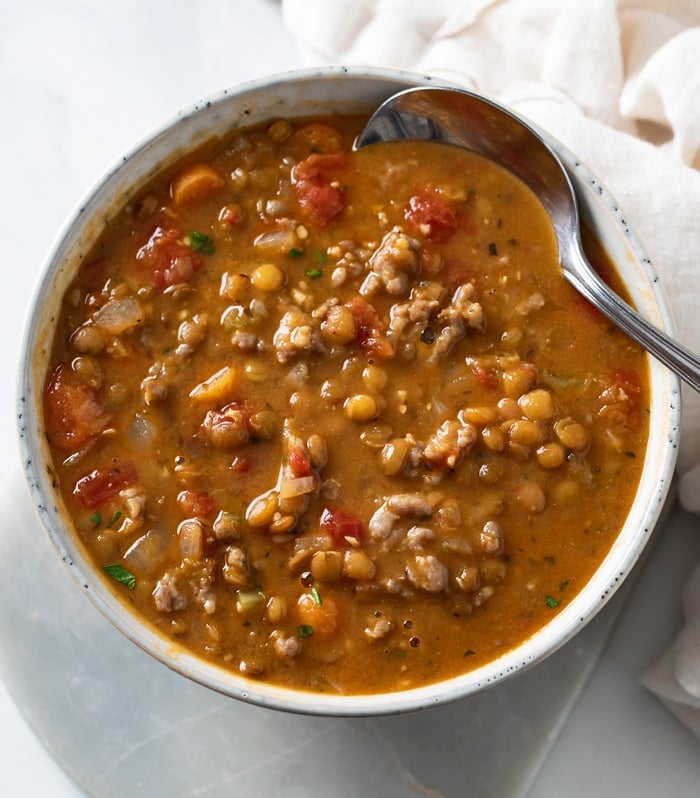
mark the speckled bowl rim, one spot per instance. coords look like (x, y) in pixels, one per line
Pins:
(315, 90)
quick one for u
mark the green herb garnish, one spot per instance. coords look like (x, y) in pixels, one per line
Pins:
(295, 253)
(317, 596)
(201, 242)
(305, 630)
(550, 601)
(313, 274)
(469, 653)
(563, 585)
(96, 519)
(121, 575)
(117, 515)
(320, 257)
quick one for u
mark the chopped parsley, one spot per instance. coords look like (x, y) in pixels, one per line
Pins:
(96, 519)
(117, 515)
(201, 242)
(317, 596)
(121, 575)
(321, 257)
(550, 601)
(305, 630)
(295, 253)
(313, 274)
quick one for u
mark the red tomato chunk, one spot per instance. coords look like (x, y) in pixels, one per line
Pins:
(432, 215)
(74, 415)
(320, 199)
(195, 502)
(99, 485)
(342, 527)
(171, 260)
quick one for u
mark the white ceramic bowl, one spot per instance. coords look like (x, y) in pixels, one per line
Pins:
(304, 93)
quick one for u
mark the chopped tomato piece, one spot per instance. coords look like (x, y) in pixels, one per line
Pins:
(241, 464)
(431, 214)
(369, 331)
(102, 484)
(342, 527)
(299, 462)
(320, 199)
(485, 376)
(195, 502)
(171, 260)
(230, 215)
(74, 414)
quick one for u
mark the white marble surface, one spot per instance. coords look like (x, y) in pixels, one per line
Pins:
(80, 81)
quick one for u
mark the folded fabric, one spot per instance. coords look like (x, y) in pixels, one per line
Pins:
(675, 677)
(616, 81)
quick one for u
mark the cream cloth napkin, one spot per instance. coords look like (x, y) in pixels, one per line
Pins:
(616, 81)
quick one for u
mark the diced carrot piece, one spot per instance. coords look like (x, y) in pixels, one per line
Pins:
(315, 137)
(218, 388)
(323, 617)
(195, 183)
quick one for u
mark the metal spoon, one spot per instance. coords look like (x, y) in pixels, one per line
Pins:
(460, 117)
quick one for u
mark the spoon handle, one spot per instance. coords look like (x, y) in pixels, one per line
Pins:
(677, 357)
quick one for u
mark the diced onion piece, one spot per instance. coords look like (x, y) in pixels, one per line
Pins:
(217, 388)
(142, 430)
(119, 315)
(248, 599)
(297, 486)
(148, 552)
(190, 535)
(277, 241)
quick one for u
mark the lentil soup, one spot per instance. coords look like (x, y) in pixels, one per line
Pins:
(333, 419)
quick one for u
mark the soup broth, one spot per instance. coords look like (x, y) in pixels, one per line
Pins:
(334, 419)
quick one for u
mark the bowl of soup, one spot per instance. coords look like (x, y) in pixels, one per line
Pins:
(326, 430)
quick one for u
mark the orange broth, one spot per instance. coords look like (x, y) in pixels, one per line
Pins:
(334, 419)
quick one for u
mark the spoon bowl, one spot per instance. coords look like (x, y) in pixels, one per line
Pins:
(462, 118)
